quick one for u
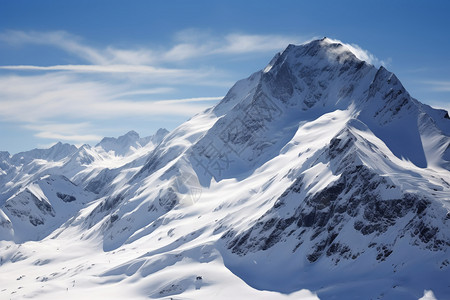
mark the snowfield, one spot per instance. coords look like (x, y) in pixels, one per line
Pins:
(317, 177)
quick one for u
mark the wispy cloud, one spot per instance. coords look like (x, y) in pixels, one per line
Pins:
(145, 64)
(438, 85)
(64, 132)
(39, 103)
(153, 91)
(133, 69)
(42, 97)
(66, 128)
(193, 43)
(65, 137)
(189, 44)
(111, 82)
(246, 43)
(74, 45)
(190, 100)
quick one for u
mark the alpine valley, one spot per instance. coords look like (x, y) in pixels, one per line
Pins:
(316, 177)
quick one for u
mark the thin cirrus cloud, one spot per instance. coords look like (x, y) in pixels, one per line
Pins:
(194, 44)
(38, 99)
(438, 86)
(246, 43)
(43, 97)
(153, 91)
(133, 69)
(189, 44)
(67, 137)
(58, 39)
(63, 131)
(106, 82)
(35, 101)
(64, 95)
(73, 45)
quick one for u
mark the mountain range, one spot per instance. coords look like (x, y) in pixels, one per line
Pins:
(319, 176)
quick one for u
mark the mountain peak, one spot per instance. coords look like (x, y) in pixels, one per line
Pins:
(156, 138)
(122, 144)
(161, 131)
(129, 142)
(131, 133)
(320, 162)
(57, 152)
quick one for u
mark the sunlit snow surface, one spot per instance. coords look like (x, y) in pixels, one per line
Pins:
(317, 177)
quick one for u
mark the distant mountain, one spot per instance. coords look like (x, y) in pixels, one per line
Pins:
(78, 164)
(130, 142)
(316, 177)
(56, 152)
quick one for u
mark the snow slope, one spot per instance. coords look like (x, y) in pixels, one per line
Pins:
(317, 177)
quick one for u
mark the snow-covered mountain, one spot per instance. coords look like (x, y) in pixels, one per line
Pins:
(316, 177)
(77, 164)
(130, 142)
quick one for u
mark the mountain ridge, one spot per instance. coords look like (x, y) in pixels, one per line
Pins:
(318, 172)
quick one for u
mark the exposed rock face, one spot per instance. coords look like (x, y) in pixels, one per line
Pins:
(318, 172)
(354, 199)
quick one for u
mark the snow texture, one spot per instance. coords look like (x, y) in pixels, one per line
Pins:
(317, 177)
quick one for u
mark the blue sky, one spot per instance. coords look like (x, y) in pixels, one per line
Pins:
(75, 71)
